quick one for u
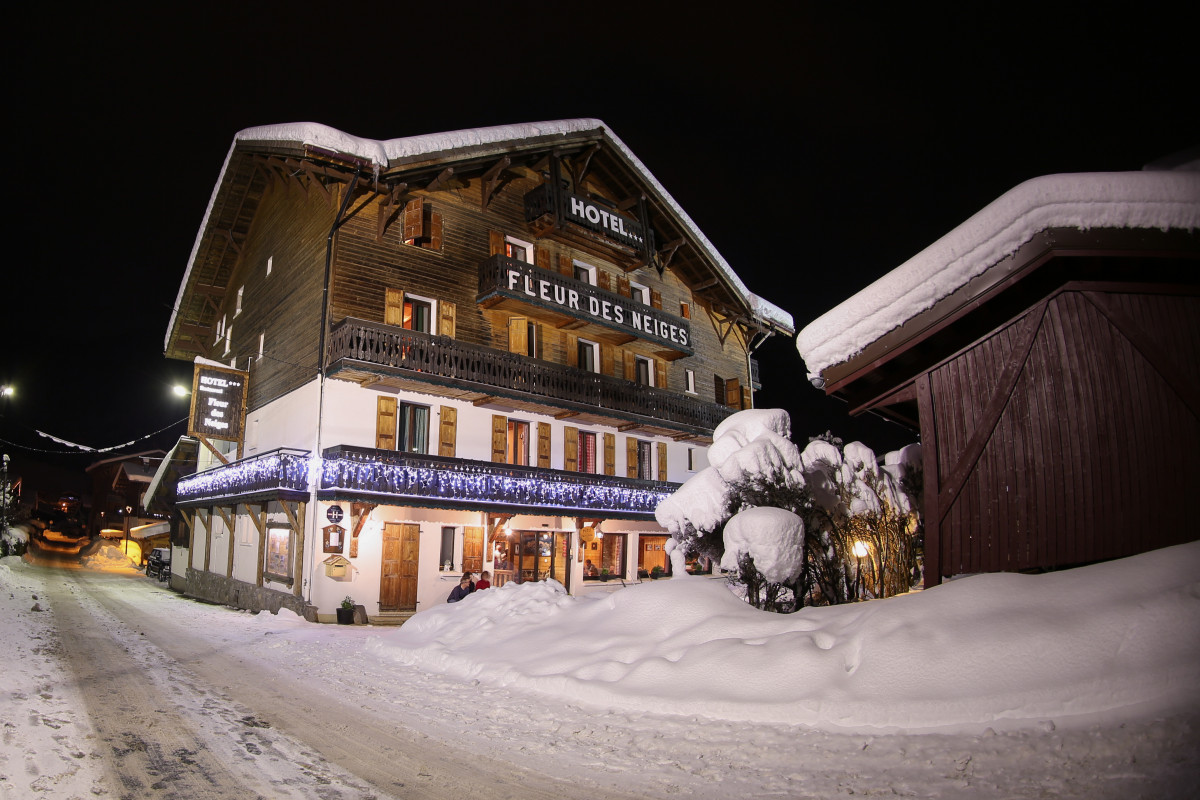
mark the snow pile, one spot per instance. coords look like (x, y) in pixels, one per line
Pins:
(773, 537)
(1002, 651)
(108, 557)
(1162, 200)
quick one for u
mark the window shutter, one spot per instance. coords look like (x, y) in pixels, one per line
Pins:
(472, 549)
(571, 449)
(448, 432)
(393, 307)
(631, 465)
(413, 219)
(603, 280)
(385, 423)
(571, 345)
(606, 359)
(662, 461)
(747, 397)
(718, 390)
(656, 298)
(630, 366)
(435, 231)
(541, 257)
(495, 243)
(499, 438)
(448, 314)
(518, 335)
(660, 373)
(685, 310)
(543, 445)
(733, 393)
(610, 454)
(623, 286)
(565, 265)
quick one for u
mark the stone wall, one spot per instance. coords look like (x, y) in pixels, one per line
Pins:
(214, 588)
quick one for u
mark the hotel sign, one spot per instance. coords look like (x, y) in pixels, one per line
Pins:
(525, 282)
(605, 222)
(218, 403)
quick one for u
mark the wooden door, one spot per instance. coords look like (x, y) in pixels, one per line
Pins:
(398, 573)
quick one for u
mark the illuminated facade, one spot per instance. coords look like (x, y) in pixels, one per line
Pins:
(494, 349)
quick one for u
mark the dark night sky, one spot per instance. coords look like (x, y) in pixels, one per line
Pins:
(816, 148)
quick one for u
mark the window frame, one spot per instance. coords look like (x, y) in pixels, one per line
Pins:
(403, 429)
(645, 466)
(638, 363)
(510, 241)
(514, 427)
(639, 292)
(594, 349)
(689, 381)
(587, 268)
(581, 462)
(273, 531)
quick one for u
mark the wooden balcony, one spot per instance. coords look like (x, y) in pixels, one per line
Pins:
(276, 474)
(363, 474)
(385, 356)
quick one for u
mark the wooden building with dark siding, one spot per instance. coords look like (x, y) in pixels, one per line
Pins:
(1055, 382)
(489, 349)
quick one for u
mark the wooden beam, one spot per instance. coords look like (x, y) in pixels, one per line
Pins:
(566, 414)
(259, 519)
(441, 180)
(491, 180)
(204, 441)
(669, 249)
(584, 161)
(629, 426)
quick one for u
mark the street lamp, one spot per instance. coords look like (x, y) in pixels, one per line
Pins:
(180, 391)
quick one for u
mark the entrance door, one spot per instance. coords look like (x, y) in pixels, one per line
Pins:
(398, 574)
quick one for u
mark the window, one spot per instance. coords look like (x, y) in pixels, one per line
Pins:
(262, 338)
(689, 377)
(422, 225)
(228, 339)
(270, 264)
(518, 442)
(446, 556)
(587, 452)
(279, 551)
(585, 273)
(589, 356)
(644, 467)
(412, 435)
(639, 293)
(238, 309)
(518, 249)
(604, 556)
(220, 328)
(644, 373)
(691, 459)
(532, 348)
(417, 314)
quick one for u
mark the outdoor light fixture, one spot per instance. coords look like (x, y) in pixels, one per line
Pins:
(860, 549)
(180, 391)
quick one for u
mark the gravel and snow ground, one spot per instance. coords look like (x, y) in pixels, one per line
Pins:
(1078, 684)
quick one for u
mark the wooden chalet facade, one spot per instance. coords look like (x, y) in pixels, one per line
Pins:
(487, 350)
(1056, 388)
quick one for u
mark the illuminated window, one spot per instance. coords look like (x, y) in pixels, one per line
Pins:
(518, 249)
(417, 314)
(587, 452)
(518, 442)
(279, 551)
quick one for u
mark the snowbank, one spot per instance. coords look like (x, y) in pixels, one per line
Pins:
(1000, 651)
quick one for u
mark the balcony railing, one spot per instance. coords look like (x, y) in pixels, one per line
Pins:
(446, 361)
(507, 277)
(365, 473)
(273, 472)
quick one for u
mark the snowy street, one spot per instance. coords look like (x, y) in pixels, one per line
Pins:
(185, 699)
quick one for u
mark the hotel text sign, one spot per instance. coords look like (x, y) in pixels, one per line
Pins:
(218, 403)
(609, 223)
(526, 282)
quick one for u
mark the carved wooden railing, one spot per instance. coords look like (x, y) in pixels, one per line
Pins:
(279, 470)
(363, 472)
(440, 359)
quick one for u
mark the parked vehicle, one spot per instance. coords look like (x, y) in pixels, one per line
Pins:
(158, 565)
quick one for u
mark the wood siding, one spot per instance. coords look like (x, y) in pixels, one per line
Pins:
(1066, 436)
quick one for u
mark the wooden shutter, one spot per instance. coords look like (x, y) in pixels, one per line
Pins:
(393, 307)
(610, 454)
(565, 265)
(656, 298)
(629, 368)
(606, 359)
(571, 449)
(662, 461)
(631, 465)
(685, 310)
(603, 280)
(660, 373)
(414, 220)
(435, 231)
(472, 549)
(448, 318)
(518, 335)
(541, 257)
(733, 393)
(571, 345)
(385, 423)
(448, 435)
(623, 286)
(543, 448)
(495, 243)
(499, 438)
(747, 397)
(718, 390)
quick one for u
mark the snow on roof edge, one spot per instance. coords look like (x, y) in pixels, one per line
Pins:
(381, 153)
(1162, 200)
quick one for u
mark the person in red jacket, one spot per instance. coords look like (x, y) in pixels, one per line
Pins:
(484, 581)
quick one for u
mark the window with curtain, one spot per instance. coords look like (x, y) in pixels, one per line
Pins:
(587, 452)
(413, 433)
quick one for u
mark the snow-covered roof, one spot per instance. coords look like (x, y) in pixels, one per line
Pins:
(1151, 199)
(382, 153)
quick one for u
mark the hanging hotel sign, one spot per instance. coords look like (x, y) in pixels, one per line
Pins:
(527, 283)
(218, 403)
(608, 223)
